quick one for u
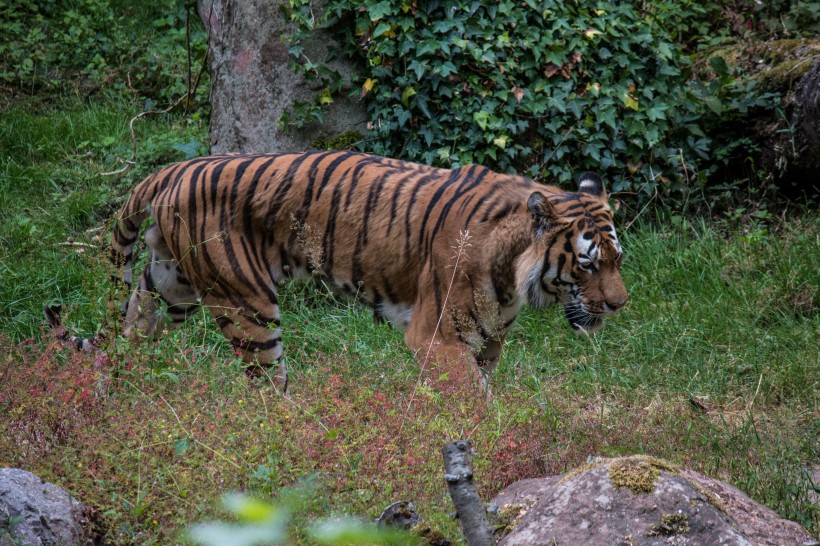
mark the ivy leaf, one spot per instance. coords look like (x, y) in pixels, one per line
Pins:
(448, 68)
(427, 133)
(718, 64)
(655, 113)
(481, 118)
(428, 46)
(379, 10)
(714, 104)
(403, 116)
(325, 97)
(630, 101)
(405, 96)
(664, 51)
(381, 29)
(607, 116)
(417, 67)
(421, 104)
(368, 86)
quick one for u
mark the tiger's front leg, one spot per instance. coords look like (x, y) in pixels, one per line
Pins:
(447, 360)
(254, 334)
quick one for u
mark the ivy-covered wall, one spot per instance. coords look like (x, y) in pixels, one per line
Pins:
(547, 88)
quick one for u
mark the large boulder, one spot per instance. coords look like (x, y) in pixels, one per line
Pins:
(635, 501)
(787, 138)
(39, 513)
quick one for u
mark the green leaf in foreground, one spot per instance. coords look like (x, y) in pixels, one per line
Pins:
(266, 523)
(354, 531)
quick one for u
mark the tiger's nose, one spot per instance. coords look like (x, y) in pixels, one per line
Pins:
(616, 304)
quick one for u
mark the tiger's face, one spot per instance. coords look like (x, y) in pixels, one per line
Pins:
(580, 255)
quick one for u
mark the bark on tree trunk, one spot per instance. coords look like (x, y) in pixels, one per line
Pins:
(458, 472)
(251, 85)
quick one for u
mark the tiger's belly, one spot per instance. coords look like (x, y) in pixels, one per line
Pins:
(397, 314)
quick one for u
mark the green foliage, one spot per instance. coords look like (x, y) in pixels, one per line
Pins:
(781, 18)
(541, 88)
(267, 523)
(98, 43)
(55, 206)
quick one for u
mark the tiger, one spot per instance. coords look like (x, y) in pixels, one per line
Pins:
(448, 256)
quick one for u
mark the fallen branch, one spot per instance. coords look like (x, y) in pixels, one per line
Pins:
(458, 472)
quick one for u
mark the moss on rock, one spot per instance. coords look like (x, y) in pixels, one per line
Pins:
(638, 473)
(776, 65)
(671, 524)
(342, 141)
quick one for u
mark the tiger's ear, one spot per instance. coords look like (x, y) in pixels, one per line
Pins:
(543, 213)
(590, 182)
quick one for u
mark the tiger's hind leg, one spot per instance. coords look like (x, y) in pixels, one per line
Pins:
(162, 280)
(256, 335)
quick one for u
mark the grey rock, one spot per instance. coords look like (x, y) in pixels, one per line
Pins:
(39, 513)
(401, 515)
(637, 501)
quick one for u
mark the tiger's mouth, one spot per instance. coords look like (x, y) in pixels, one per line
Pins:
(581, 320)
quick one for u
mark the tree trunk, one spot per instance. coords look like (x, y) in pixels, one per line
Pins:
(458, 472)
(251, 85)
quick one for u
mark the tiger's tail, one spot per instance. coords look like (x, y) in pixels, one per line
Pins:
(127, 230)
(55, 322)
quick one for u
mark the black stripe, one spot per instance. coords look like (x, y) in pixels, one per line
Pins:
(437, 294)
(354, 179)
(343, 156)
(275, 204)
(398, 179)
(468, 183)
(304, 210)
(213, 182)
(328, 239)
(442, 187)
(370, 207)
(250, 345)
(479, 203)
(428, 178)
(247, 215)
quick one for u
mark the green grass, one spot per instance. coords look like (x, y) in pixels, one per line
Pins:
(52, 195)
(152, 435)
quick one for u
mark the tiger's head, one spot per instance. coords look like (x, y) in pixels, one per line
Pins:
(575, 256)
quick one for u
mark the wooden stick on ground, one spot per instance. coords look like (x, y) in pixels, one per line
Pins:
(458, 472)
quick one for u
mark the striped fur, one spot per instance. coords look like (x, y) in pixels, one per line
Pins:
(228, 229)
